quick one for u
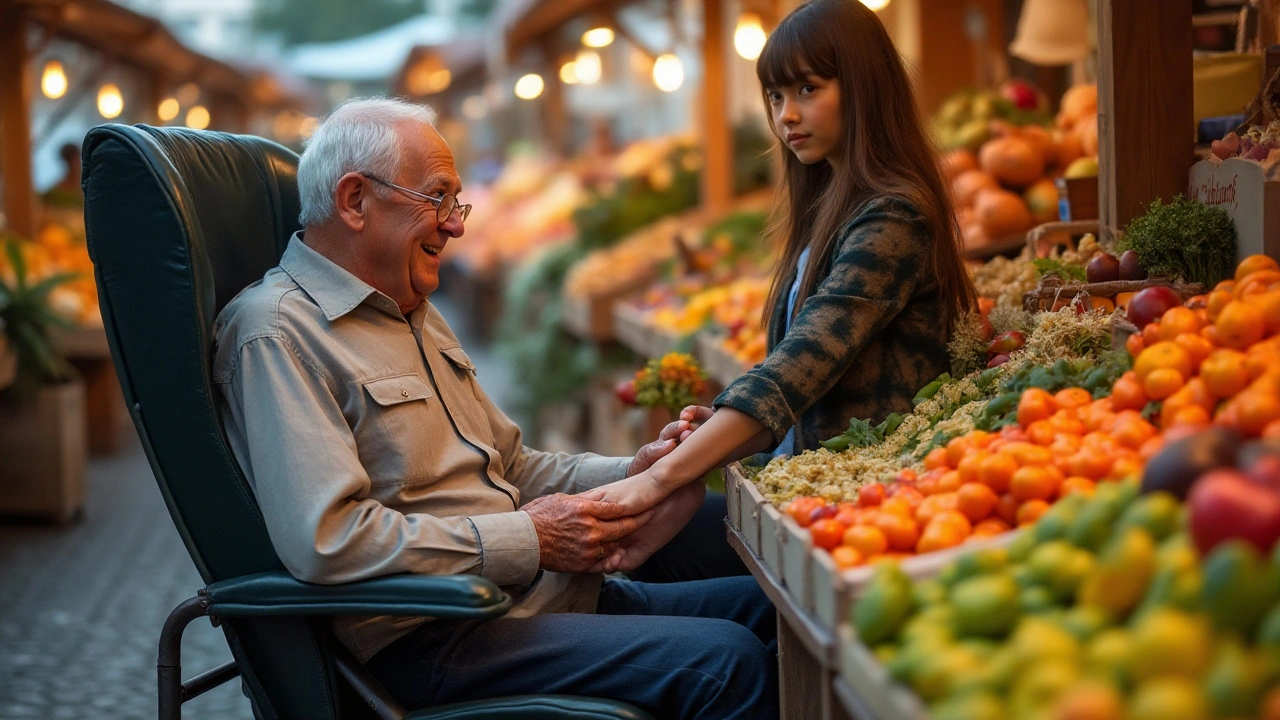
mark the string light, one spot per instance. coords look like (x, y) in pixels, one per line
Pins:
(168, 109)
(749, 37)
(668, 72)
(876, 4)
(110, 101)
(598, 37)
(53, 81)
(529, 86)
(569, 73)
(586, 67)
(198, 117)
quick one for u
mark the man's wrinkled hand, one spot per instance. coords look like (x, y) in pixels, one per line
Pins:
(576, 534)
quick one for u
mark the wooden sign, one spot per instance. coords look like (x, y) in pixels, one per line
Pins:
(1240, 187)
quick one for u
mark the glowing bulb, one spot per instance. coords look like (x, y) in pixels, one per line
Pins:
(198, 117)
(168, 109)
(569, 73)
(586, 67)
(110, 101)
(529, 87)
(598, 37)
(668, 72)
(876, 4)
(749, 37)
(53, 81)
(475, 107)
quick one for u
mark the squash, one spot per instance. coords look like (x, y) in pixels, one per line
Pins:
(1002, 213)
(1012, 161)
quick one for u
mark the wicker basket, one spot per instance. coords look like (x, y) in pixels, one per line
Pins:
(1052, 289)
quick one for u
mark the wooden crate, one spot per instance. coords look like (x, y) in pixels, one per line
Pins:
(873, 690)
(632, 329)
(771, 540)
(796, 549)
(591, 317)
(43, 453)
(732, 485)
(750, 507)
(87, 350)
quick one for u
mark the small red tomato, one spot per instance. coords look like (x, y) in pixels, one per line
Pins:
(871, 495)
(827, 533)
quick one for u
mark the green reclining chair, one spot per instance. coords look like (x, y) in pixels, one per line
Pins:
(178, 222)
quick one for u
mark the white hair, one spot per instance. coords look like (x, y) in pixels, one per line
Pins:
(358, 136)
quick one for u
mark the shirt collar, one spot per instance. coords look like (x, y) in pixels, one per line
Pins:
(335, 290)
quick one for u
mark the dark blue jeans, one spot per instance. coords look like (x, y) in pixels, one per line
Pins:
(705, 650)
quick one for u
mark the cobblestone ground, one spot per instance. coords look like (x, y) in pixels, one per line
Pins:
(81, 607)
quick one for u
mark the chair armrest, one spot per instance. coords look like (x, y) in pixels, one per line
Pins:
(278, 593)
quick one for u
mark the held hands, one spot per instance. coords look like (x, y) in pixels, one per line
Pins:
(576, 534)
(669, 517)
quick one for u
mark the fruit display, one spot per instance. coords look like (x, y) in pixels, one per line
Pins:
(1116, 604)
(56, 250)
(632, 262)
(1001, 171)
(1259, 144)
(1062, 349)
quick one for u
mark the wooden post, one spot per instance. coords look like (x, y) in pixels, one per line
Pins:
(15, 121)
(717, 136)
(1145, 124)
(555, 115)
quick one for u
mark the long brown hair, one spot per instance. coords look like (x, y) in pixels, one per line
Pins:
(885, 153)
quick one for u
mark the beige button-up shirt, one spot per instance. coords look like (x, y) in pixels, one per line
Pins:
(372, 450)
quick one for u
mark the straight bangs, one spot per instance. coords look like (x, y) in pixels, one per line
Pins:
(792, 48)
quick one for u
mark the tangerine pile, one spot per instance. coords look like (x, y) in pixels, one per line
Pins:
(1217, 360)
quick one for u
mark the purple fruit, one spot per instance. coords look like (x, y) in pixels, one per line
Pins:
(1131, 266)
(1258, 153)
(1104, 267)
(998, 360)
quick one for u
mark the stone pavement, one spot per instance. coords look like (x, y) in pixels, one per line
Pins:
(81, 607)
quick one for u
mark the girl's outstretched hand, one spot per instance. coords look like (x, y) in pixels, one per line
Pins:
(669, 517)
(637, 493)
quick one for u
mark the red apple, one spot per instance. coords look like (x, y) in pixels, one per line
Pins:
(1150, 304)
(626, 392)
(997, 360)
(871, 494)
(1006, 342)
(1225, 504)
(1021, 93)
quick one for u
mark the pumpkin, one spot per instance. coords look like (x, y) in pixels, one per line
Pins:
(1012, 161)
(1002, 213)
(956, 162)
(967, 185)
(1042, 141)
(1042, 201)
(1078, 103)
(1088, 129)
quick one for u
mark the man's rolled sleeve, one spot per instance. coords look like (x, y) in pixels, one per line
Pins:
(508, 547)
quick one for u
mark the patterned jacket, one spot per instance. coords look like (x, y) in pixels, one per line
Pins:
(863, 344)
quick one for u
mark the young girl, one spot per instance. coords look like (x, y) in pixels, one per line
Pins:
(870, 277)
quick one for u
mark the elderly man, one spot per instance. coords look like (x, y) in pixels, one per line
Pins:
(372, 450)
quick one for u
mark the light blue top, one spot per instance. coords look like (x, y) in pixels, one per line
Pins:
(788, 444)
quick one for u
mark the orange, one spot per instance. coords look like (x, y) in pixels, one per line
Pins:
(1030, 511)
(900, 532)
(1035, 483)
(1224, 373)
(949, 481)
(968, 469)
(897, 506)
(1007, 509)
(935, 504)
(1269, 303)
(1256, 409)
(1253, 264)
(1162, 355)
(1151, 447)
(1065, 446)
(912, 496)
(976, 501)
(1073, 398)
(1269, 708)
(1261, 359)
(1075, 484)
(1197, 302)
(1272, 430)
(1134, 344)
(1197, 347)
(868, 540)
(1256, 283)
(1090, 464)
(846, 557)
(936, 458)
(990, 526)
(1127, 393)
(1217, 300)
(1066, 422)
(826, 533)
(1163, 382)
(1125, 466)
(1240, 325)
(1035, 404)
(996, 470)
(1228, 285)
(1041, 432)
(1193, 415)
(1151, 334)
(800, 509)
(954, 518)
(1177, 321)
(1132, 431)
(939, 536)
(981, 438)
(956, 450)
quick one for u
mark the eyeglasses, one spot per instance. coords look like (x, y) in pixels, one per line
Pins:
(445, 204)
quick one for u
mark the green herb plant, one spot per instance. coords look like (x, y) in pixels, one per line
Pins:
(1184, 239)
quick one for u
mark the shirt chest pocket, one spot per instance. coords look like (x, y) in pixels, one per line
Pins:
(401, 411)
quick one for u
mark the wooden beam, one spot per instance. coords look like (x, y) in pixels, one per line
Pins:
(1146, 129)
(15, 121)
(555, 113)
(717, 136)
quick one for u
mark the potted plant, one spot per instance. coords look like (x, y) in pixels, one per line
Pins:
(42, 425)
